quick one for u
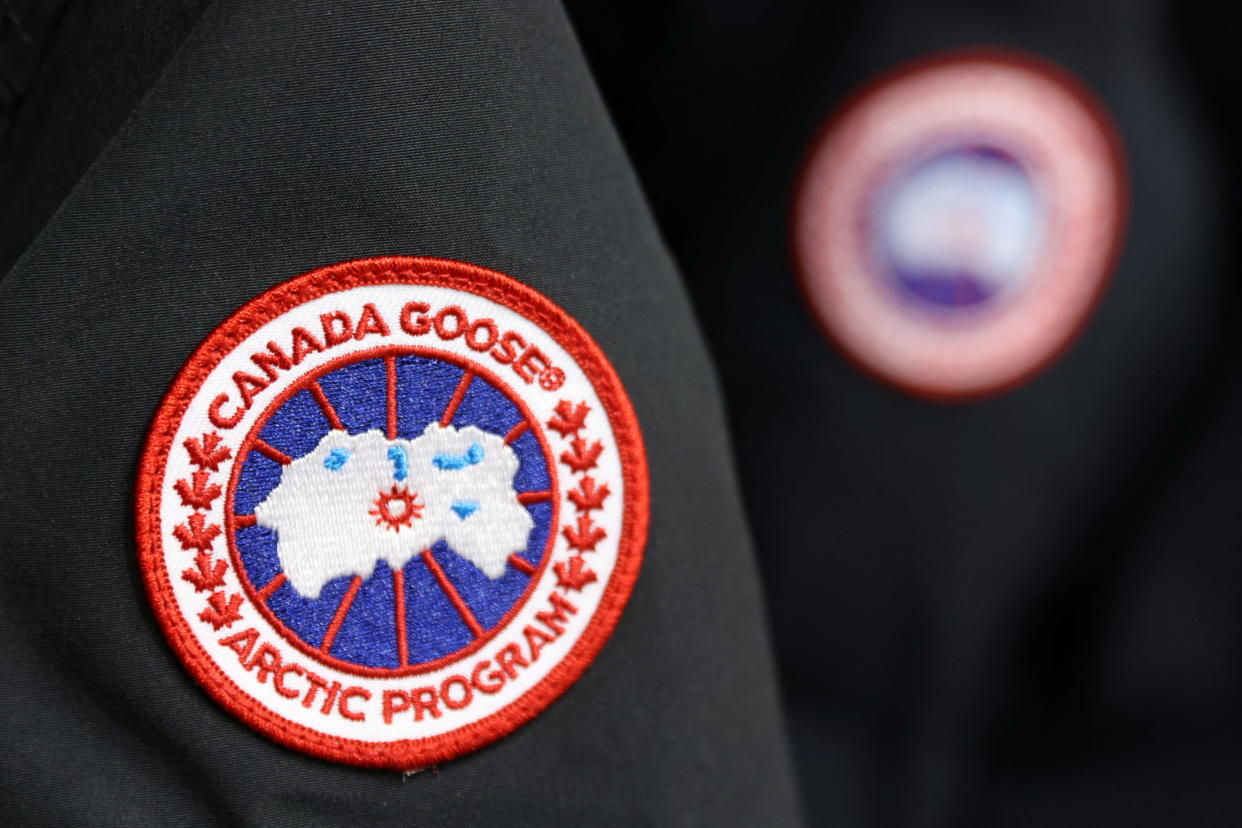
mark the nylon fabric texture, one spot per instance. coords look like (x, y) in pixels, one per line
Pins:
(278, 139)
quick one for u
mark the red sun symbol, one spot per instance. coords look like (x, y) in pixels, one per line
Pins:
(396, 508)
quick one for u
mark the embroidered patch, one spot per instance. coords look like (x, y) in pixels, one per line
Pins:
(391, 509)
(955, 224)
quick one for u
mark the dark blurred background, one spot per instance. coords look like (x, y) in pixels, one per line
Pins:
(1024, 610)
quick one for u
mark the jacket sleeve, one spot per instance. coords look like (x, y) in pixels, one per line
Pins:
(276, 139)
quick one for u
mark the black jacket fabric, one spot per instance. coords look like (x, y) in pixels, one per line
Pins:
(1020, 611)
(166, 163)
(1016, 611)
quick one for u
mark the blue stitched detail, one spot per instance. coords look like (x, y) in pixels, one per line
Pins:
(434, 627)
(336, 458)
(465, 508)
(400, 463)
(473, 456)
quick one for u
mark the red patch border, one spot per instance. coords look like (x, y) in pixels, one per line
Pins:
(999, 56)
(405, 754)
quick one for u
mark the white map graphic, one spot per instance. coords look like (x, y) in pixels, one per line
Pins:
(963, 215)
(359, 499)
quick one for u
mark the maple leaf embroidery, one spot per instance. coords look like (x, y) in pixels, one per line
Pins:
(582, 457)
(207, 453)
(203, 574)
(221, 609)
(196, 533)
(588, 496)
(199, 494)
(568, 419)
(586, 536)
(574, 576)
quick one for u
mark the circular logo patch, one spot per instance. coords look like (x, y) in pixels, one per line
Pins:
(955, 223)
(391, 509)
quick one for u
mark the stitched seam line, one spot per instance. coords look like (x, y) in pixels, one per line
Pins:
(107, 146)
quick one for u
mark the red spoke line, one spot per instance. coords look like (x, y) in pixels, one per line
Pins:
(328, 411)
(450, 591)
(339, 618)
(527, 498)
(516, 432)
(271, 452)
(391, 362)
(241, 521)
(398, 594)
(458, 396)
(521, 565)
(272, 585)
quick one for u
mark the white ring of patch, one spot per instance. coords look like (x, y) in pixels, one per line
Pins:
(389, 300)
(1067, 152)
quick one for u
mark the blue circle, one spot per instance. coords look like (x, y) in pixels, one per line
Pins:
(957, 228)
(367, 636)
